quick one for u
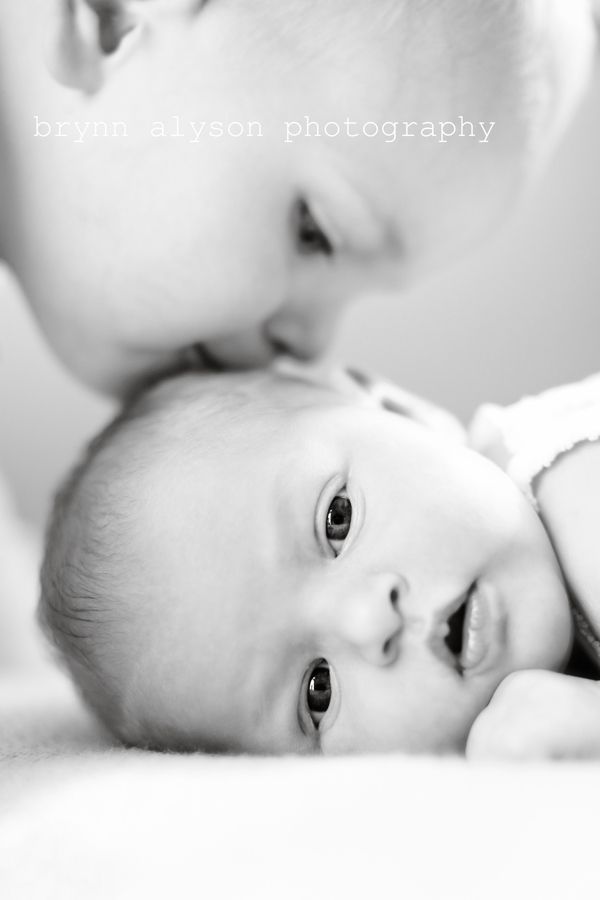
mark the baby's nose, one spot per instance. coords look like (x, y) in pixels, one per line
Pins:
(368, 619)
(303, 333)
(288, 335)
(242, 350)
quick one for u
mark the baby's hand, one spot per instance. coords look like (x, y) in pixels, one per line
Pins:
(539, 715)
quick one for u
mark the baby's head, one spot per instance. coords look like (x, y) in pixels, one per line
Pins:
(202, 226)
(275, 562)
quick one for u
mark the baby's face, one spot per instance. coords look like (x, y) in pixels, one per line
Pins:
(337, 578)
(248, 244)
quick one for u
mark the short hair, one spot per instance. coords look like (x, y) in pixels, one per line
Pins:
(87, 576)
(89, 582)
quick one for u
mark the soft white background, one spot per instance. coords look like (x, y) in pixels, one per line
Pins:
(520, 316)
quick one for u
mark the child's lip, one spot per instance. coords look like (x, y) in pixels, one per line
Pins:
(485, 630)
(483, 633)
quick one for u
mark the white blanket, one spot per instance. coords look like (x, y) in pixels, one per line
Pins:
(83, 818)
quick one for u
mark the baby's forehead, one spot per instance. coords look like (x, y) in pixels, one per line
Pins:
(286, 387)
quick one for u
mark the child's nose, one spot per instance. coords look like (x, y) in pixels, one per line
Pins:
(367, 618)
(299, 335)
(304, 333)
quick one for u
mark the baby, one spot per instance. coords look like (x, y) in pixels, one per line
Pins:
(141, 220)
(287, 561)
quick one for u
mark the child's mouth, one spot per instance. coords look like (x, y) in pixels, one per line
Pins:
(474, 628)
(456, 626)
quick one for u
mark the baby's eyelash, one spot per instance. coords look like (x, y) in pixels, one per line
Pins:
(316, 697)
(311, 237)
(318, 691)
(338, 521)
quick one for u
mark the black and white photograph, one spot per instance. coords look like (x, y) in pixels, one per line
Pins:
(299, 449)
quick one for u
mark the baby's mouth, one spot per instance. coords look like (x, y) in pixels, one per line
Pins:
(456, 626)
(471, 630)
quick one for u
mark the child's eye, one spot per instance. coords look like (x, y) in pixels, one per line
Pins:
(311, 238)
(318, 691)
(339, 519)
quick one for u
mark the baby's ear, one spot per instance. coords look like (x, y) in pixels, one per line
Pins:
(87, 33)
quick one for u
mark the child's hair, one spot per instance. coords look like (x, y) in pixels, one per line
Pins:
(91, 585)
(88, 578)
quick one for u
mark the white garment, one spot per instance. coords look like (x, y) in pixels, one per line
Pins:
(528, 436)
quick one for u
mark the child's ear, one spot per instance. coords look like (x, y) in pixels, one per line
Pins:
(89, 32)
(86, 33)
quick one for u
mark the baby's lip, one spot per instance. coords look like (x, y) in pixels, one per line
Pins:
(481, 618)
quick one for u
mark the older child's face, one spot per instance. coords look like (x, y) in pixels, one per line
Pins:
(251, 243)
(341, 579)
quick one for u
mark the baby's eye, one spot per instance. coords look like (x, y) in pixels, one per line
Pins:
(318, 691)
(311, 238)
(339, 519)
